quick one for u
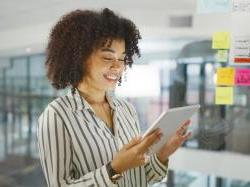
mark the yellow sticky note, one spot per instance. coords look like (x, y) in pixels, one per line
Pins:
(222, 56)
(221, 40)
(224, 96)
(225, 76)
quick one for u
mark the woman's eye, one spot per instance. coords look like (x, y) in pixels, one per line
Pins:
(108, 59)
(121, 60)
(113, 60)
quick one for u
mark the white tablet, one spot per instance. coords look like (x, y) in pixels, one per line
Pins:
(168, 122)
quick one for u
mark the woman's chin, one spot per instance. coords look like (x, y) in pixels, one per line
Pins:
(108, 87)
(111, 87)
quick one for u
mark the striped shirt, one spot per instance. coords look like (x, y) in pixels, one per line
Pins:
(75, 145)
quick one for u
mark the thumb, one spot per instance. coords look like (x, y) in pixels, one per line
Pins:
(133, 142)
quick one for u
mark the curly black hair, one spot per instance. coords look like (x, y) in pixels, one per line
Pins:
(77, 34)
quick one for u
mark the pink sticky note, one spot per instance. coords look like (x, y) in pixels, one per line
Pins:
(242, 77)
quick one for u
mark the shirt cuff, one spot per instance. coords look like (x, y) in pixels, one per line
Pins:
(158, 167)
(108, 181)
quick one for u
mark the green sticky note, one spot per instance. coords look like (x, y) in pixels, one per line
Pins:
(222, 56)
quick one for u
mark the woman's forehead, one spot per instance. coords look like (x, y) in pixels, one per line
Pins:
(110, 50)
(114, 46)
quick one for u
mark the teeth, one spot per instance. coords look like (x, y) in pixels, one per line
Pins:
(111, 77)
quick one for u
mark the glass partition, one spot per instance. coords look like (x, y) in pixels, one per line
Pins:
(181, 79)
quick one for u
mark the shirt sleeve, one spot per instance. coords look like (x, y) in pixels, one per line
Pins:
(155, 170)
(55, 150)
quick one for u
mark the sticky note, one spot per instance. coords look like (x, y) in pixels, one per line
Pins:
(225, 76)
(242, 77)
(221, 40)
(222, 56)
(224, 96)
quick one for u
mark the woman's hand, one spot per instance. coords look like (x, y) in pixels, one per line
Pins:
(174, 142)
(133, 154)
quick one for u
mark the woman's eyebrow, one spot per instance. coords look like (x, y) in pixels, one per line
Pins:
(109, 50)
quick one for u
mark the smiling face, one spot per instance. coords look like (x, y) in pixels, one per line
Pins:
(105, 66)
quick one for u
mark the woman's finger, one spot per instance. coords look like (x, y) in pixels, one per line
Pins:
(133, 142)
(185, 136)
(143, 158)
(148, 141)
(183, 128)
(146, 158)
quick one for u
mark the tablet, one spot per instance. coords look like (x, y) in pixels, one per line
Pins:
(169, 121)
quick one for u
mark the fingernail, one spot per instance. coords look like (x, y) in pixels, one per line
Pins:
(159, 131)
(159, 136)
(158, 139)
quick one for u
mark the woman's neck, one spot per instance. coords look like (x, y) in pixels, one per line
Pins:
(91, 94)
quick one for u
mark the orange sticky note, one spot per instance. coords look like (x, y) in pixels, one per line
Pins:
(221, 40)
(224, 96)
(225, 76)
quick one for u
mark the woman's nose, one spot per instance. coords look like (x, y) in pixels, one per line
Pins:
(117, 64)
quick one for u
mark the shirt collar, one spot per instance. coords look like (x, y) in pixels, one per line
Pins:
(80, 103)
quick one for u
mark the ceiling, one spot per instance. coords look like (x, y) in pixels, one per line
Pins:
(15, 14)
(26, 24)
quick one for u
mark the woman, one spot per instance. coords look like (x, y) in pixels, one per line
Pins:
(89, 137)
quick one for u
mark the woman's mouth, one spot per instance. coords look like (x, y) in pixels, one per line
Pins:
(111, 77)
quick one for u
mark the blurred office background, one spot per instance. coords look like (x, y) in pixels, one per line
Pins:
(177, 68)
